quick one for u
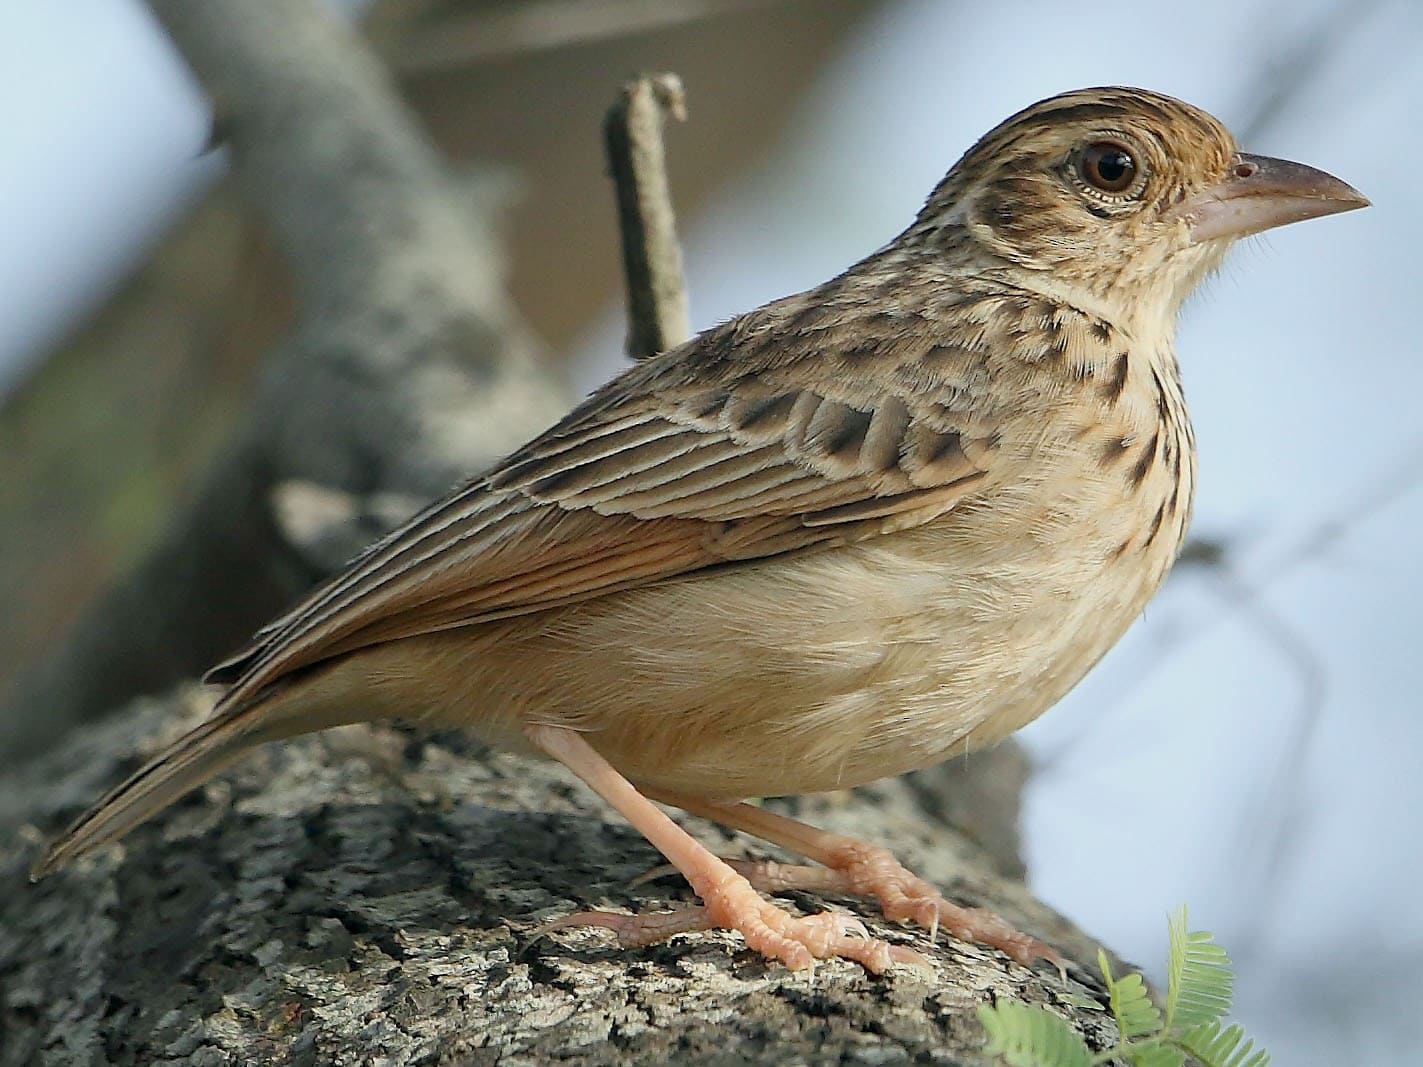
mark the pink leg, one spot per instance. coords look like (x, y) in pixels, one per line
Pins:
(729, 901)
(861, 869)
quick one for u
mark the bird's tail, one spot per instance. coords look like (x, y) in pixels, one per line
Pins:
(185, 764)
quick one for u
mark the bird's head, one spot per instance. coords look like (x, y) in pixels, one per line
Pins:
(1118, 194)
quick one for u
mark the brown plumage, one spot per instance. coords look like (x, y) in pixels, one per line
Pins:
(844, 535)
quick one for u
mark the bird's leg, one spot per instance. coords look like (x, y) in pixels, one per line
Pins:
(858, 868)
(728, 899)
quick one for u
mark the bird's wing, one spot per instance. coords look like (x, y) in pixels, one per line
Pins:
(720, 451)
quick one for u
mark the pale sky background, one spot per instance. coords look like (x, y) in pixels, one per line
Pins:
(1260, 763)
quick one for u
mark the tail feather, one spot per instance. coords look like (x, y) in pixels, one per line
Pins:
(184, 765)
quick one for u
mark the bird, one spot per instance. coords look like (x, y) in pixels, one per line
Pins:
(852, 533)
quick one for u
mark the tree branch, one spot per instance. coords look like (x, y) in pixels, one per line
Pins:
(455, 34)
(408, 371)
(652, 258)
(360, 896)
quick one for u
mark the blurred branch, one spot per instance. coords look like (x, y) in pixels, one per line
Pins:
(434, 35)
(1283, 838)
(652, 258)
(1269, 843)
(1405, 476)
(408, 370)
(1215, 557)
(1284, 74)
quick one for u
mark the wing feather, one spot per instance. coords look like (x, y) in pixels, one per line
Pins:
(701, 457)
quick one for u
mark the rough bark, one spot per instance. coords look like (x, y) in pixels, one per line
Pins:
(368, 896)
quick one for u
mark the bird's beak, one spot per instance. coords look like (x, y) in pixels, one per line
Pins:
(1261, 193)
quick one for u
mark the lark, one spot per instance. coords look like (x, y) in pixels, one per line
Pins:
(851, 533)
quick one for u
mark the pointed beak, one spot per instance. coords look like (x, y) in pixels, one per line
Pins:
(1261, 193)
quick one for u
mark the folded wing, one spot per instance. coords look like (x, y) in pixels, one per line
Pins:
(718, 452)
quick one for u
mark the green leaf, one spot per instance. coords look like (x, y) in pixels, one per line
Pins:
(1131, 1004)
(1199, 988)
(1198, 978)
(1029, 1036)
(1215, 1047)
(1155, 1054)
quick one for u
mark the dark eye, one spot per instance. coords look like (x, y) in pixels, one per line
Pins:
(1108, 167)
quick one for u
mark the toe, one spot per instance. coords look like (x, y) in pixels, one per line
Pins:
(634, 931)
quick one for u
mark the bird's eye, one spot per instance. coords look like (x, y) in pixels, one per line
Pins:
(1107, 167)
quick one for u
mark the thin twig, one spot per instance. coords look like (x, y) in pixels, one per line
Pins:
(652, 258)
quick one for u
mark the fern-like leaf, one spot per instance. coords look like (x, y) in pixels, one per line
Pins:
(1216, 1047)
(1029, 1036)
(1155, 1054)
(1131, 1004)
(1198, 978)
(1199, 988)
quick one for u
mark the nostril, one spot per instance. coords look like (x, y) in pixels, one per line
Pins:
(1246, 170)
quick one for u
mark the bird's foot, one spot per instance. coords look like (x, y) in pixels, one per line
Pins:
(797, 941)
(855, 868)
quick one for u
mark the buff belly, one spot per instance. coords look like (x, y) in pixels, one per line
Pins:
(822, 672)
